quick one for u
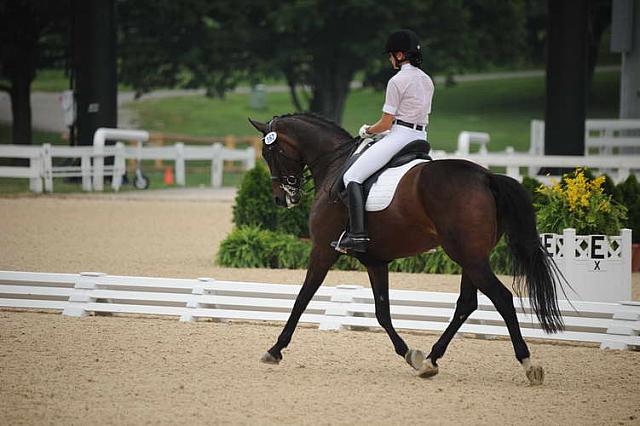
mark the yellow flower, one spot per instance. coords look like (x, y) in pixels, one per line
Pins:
(604, 206)
(584, 200)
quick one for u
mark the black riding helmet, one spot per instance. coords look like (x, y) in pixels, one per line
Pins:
(405, 41)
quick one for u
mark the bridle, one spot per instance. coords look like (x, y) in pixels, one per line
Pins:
(291, 184)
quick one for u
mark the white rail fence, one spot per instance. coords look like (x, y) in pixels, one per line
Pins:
(33, 171)
(618, 167)
(612, 325)
(92, 169)
(611, 146)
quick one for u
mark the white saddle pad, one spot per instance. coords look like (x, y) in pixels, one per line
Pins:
(383, 190)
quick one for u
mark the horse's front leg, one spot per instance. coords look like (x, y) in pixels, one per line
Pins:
(321, 260)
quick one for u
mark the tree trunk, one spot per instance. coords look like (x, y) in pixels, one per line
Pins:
(330, 89)
(20, 93)
(565, 103)
(293, 85)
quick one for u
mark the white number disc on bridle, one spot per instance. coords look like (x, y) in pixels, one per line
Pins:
(270, 138)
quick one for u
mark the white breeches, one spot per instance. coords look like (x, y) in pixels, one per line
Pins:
(381, 152)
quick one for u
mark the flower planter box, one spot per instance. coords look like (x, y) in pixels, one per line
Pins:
(598, 267)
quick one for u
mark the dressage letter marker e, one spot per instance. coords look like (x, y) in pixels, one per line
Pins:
(597, 250)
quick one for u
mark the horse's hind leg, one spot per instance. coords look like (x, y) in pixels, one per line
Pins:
(379, 277)
(467, 303)
(486, 281)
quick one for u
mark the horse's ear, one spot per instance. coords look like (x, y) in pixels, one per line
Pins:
(261, 127)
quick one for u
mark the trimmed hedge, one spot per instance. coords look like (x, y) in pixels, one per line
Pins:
(255, 207)
(254, 247)
(267, 236)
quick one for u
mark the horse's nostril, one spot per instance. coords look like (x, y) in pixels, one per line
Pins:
(280, 201)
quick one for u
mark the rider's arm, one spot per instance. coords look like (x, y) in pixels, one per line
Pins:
(383, 124)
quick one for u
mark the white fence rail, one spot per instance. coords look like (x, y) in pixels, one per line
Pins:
(604, 137)
(619, 167)
(92, 169)
(612, 325)
(33, 171)
(611, 146)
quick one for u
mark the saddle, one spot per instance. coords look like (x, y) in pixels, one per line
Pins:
(416, 150)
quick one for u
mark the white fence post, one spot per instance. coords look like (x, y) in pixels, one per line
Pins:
(180, 169)
(250, 163)
(194, 301)
(47, 167)
(513, 171)
(85, 171)
(625, 254)
(80, 297)
(340, 301)
(216, 166)
(119, 167)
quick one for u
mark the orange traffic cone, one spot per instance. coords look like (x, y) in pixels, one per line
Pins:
(168, 176)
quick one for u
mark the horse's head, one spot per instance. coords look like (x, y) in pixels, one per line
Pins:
(282, 155)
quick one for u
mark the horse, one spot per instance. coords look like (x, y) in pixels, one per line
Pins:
(455, 204)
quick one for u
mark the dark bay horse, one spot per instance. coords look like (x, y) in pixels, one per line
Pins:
(455, 204)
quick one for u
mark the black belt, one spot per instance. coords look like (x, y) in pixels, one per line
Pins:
(418, 127)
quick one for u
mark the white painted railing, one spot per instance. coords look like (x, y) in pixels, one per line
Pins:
(602, 137)
(618, 167)
(92, 169)
(180, 153)
(86, 170)
(466, 139)
(612, 325)
(33, 171)
(100, 137)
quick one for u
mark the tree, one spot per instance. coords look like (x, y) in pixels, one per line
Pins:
(192, 43)
(31, 36)
(323, 44)
(153, 37)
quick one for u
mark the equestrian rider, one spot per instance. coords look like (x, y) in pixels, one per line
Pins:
(405, 112)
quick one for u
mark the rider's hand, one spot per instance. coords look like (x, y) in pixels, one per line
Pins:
(364, 131)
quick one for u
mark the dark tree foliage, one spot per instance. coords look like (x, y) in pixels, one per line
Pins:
(317, 46)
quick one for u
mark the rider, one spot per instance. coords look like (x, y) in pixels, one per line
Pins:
(405, 112)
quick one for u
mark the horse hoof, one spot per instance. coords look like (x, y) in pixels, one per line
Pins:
(415, 358)
(267, 358)
(535, 374)
(428, 369)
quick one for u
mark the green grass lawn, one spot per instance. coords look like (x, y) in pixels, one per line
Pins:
(503, 108)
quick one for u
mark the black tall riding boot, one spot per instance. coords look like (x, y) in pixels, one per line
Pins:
(356, 239)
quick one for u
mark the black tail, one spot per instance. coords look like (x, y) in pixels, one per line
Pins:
(530, 262)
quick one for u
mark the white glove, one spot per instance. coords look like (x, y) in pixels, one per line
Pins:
(364, 131)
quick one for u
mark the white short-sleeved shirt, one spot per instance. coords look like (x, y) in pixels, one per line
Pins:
(409, 95)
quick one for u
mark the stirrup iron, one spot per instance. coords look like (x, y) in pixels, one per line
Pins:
(337, 243)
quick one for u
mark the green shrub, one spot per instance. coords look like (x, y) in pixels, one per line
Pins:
(532, 185)
(254, 205)
(629, 194)
(253, 247)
